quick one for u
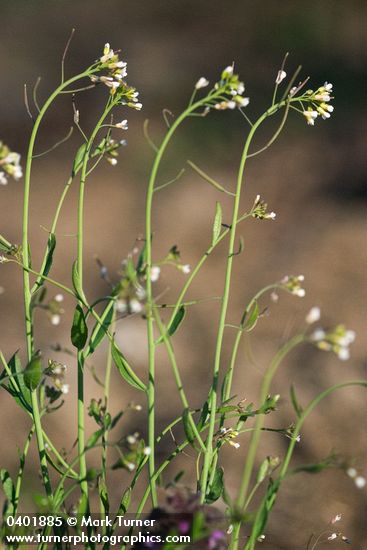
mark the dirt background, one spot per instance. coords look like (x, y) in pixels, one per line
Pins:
(314, 178)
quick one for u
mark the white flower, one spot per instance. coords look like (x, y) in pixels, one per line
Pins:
(322, 97)
(112, 161)
(137, 106)
(121, 306)
(186, 269)
(3, 180)
(337, 518)
(318, 335)
(123, 125)
(130, 466)
(147, 451)
(135, 306)
(333, 536)
(242, 101)
(131, 439)
(344, 354)
(154, 273)
(228, 71)
(328, 87)
(235, 444)
(280, 77)
(360, 482)
(59, 298)
(313, 315)
(311, 115)
(65, 388)
(352, 472)
(201, 83)
(55, 319)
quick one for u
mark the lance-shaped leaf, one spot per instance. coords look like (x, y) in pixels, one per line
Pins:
(76, 280)
(100, 328)
(249, 319)
(217, 225)
(125, 370)
(297, 407)
(23, 396)
(51, 245)
(78, 159)
(189, 432)
(176, 322)
(79, 329)
(217, 486)
(9, 491)
(32, 374)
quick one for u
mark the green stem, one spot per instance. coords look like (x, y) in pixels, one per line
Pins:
(225, 300)
(177, 376)
(255, 437)
(268, 504)
(80, 357)
(149, 303)
(26, 280)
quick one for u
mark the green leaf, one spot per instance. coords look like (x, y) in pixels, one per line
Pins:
(78, 159)
(177, 320)
(189, 432)
(32, 374)
(125, 370)
(252, 319)
(23, 397)
(203, 415)
(100, 329)
(51, 245)
(225, 385)
(79, 329)
(263, 470)
(9, 491)
(297, 407)
(217, 225)
(125, 502)
(217, 486)
(92, 440)
(76, 280)
(103, 495)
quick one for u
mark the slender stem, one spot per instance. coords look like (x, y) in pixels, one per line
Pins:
(225, 300)
(250, 545)
(26, 280)
(149, 303)
(176, 373)
(106, 393)
(255, 437)
(21, 469)
(80, 357)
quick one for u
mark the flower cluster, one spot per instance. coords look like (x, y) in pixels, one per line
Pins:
(227, 93)
(9, 164)
(293, 284)
(109, 147)
(337, 340)
(227, 435)
(360, 481)
(234, 88)
(56, 373)
(114, 79)
(54, 309)
(319, 103)
(259, 210)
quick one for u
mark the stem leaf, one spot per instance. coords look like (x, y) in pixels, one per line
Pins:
(251, 322)
(32, 374)
(217, 486)
(79, 329)
(78, 159)
(189, 432)
(9, 491)
(125, 370)
(217, 225)
(100, 330)
(297, 407)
